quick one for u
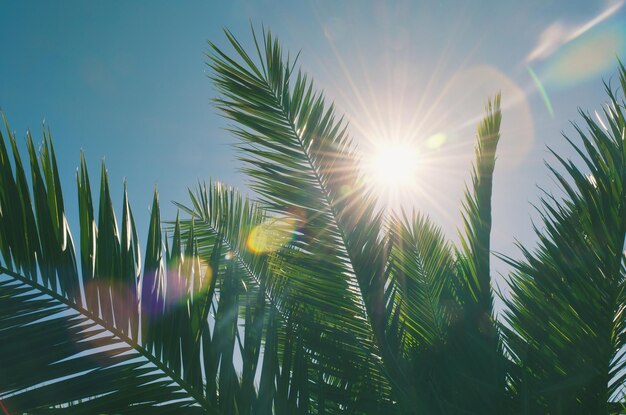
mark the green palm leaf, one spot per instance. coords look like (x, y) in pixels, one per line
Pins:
(422, 271)
(248, 313)
(55, 356)
(219, 215)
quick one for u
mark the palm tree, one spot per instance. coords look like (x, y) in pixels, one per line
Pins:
(309, 299)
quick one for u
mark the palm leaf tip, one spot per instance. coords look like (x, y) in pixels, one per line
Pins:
(475, 241)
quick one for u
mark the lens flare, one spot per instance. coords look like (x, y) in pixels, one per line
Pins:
(272, 235)
(542, 91)
(465, 110)
(586, 57)
(435, 141)
(186, 277)
(345, 190)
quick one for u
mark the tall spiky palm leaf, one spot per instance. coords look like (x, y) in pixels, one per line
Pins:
(79, 329)
(220, 216)
(443, 326)
(475, 341)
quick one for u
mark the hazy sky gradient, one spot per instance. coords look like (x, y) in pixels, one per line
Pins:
(126, 81)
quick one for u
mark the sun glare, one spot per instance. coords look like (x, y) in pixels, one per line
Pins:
(393, 168)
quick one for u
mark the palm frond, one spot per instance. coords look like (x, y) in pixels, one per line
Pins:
(221, 217)
(55, 357)
(476, 240)
(565, 315)
(421, 263)
(304, 166)
(442, 324)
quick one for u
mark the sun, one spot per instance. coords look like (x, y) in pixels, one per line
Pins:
(393, 168)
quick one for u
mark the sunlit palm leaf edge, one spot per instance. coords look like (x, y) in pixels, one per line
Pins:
(70, 338)
(565, 322)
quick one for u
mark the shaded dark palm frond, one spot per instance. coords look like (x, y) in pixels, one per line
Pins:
(565, 318)
(55, 358)
(221, 215)
(422, 270)
(304, 166)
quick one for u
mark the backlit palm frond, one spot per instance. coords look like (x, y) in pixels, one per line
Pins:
(475, 241)
(421, 264)
(58, 358)
(565, 316)
(219, 214)
(304, 166)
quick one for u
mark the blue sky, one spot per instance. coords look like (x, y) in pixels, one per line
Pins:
(127, 82)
